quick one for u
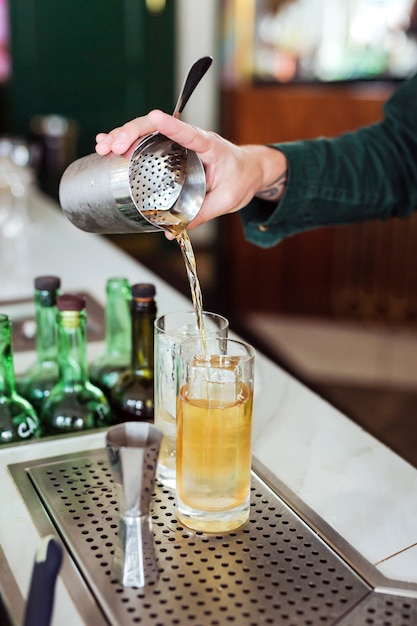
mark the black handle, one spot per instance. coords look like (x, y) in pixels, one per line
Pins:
(40, 600)
(195, 74)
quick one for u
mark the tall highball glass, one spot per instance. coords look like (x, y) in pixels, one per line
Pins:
(214, 433)
(171, 330)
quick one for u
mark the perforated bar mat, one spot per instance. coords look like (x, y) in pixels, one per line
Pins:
(275, 570)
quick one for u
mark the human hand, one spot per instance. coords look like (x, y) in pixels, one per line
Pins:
(234, 174)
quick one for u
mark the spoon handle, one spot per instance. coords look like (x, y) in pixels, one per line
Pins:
(195, 74)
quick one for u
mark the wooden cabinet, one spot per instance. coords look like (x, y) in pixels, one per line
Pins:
(270, 113)
(331, 271)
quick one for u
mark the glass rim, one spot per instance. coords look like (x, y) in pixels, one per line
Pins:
(250, 350)
(187, 312)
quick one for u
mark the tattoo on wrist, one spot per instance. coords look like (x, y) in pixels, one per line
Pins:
(275, 190)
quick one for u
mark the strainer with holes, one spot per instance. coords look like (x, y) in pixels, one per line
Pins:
(142, 191)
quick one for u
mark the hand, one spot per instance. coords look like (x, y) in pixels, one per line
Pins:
(234, 174)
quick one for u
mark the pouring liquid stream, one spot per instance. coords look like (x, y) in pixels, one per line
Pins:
(177, 228)
(191, 268)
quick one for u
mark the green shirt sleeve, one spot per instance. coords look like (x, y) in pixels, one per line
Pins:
(367, 174)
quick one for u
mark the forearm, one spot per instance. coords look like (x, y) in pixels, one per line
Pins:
(369, 174)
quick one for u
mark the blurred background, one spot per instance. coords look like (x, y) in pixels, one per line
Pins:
(337, 306)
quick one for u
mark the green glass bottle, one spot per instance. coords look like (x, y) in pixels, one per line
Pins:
(37, 381)
(74, 404)
(132, 396)
(18, 418)
(106, 368)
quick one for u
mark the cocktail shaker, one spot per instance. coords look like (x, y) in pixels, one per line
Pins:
(148, 189)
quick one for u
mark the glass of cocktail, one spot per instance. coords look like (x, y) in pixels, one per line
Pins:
(214, 433)
(171, 329)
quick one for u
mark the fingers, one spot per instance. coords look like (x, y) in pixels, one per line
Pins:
(120, 139)
(185, 134)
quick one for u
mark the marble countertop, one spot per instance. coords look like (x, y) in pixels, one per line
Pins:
(360, 488)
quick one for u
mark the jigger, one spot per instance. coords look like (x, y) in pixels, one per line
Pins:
(133, 449)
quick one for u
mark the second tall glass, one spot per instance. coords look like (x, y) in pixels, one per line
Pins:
(214, 433)
(171, 330)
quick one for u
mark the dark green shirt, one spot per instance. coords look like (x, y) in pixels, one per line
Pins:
(362, 175)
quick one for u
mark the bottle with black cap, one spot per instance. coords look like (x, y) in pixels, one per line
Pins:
(38, 380)
(74, 404)
(18, 418)
(132, 396)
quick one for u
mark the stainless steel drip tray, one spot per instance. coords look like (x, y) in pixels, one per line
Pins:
(275, 570)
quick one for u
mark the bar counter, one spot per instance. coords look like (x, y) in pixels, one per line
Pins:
(358, 494)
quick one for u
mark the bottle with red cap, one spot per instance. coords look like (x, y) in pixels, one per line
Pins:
(132, 397)
(74, 404)
(38, 380)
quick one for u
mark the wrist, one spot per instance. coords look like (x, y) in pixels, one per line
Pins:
(274, 174)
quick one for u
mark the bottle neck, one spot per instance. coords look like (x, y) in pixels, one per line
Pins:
(118, 325)
(72, 346)
(7, 379)
(142, 358)
(46, 328)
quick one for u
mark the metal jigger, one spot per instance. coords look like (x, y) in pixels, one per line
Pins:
(133, 449)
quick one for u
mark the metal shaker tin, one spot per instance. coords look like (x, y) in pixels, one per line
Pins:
(102, 194)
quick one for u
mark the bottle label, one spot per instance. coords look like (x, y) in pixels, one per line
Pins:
(27, 428)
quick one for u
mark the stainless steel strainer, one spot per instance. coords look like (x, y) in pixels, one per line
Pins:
(158, 165)
(157, 173)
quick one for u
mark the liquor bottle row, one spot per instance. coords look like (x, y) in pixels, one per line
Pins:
(60, 392)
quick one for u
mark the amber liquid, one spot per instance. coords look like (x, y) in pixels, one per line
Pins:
(171, 223)
(191, 267)
(213, 451)
(167, 454)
